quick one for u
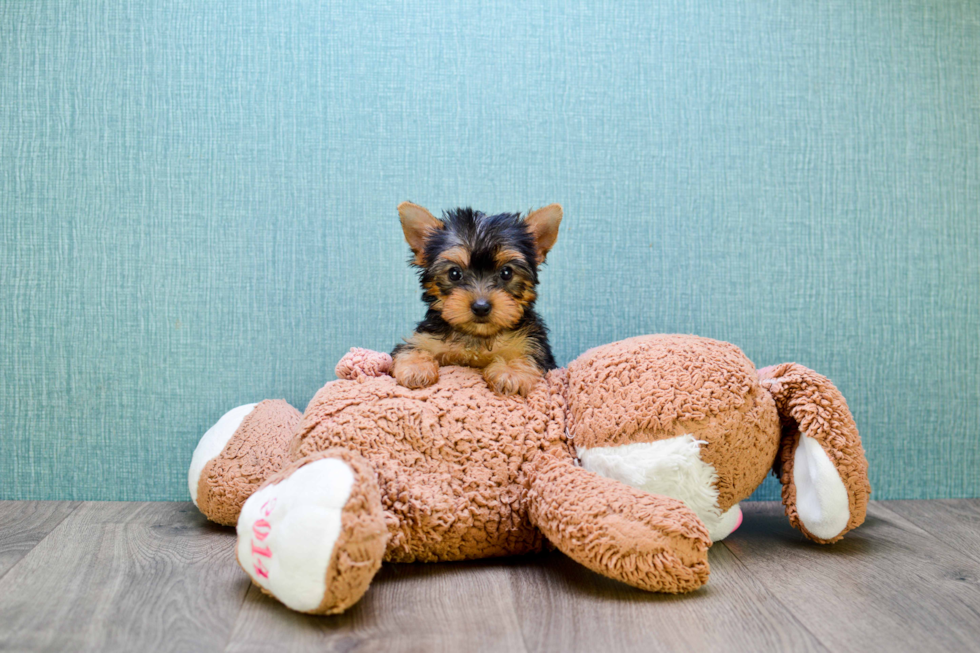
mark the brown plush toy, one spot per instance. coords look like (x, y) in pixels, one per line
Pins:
(630, 461)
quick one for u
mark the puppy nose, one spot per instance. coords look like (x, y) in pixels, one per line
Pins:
(481, 308)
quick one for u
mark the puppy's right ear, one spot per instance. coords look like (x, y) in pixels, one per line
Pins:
(417, 223)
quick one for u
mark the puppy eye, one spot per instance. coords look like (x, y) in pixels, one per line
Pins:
(455, 274)
(507, 274)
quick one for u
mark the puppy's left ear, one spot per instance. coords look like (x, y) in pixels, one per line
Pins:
(543, 224)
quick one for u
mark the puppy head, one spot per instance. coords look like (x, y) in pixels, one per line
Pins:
(479, 271)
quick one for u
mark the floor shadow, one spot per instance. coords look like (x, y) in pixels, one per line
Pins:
(556, 570)
(767, 530)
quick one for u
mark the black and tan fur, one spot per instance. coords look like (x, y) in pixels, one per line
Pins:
(471, 263)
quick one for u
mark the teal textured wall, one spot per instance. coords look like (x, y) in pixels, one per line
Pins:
(198, 205)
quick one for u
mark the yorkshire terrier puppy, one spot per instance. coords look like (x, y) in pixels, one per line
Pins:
(479, 275)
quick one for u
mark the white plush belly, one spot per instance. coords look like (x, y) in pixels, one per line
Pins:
(671, 468)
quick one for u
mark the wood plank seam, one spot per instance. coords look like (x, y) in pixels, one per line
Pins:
(891, 588)
(882, 506)
(773, 597)
(70, 512)
(234, 624)
(511, 574)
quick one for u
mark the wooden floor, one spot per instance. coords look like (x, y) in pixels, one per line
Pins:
(158, 577)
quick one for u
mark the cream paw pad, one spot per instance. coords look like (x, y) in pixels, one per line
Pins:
(313, 536)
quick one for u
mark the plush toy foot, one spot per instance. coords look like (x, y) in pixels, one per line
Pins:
(649, 541)
(314, 535)
(245, 447)
(671, 467)
(730, 520)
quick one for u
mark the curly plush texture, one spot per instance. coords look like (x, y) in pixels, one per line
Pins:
(256, 451)
(449, 458)
(809, 403)
(652, 388)
(361, 363)
(455, 471)
(648, 541)
(360, 547)
(667, 383)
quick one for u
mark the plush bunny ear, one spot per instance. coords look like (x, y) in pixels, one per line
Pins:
(821, 462)
(543, 224)
(417, 223)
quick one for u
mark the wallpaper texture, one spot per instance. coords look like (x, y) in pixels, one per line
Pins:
(198, 205)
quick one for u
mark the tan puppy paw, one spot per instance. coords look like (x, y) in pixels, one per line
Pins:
(514, 377)
(414, 368)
